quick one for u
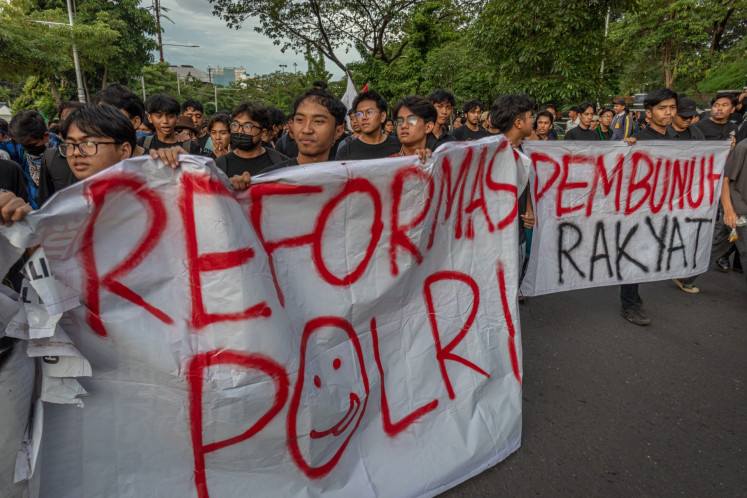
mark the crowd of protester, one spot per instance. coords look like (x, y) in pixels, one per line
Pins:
(39, 158)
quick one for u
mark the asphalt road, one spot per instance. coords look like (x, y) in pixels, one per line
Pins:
(613, 409)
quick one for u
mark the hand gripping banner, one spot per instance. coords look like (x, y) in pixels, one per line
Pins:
(609, 213)
(346, 329)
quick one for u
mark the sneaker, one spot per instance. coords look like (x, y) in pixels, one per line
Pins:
(635, 317)
(689, 288)
(722, 264)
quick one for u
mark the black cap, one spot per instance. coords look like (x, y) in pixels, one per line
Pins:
(686, 107)
(621, 102)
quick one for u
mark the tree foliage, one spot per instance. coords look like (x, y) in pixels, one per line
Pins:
(329, 26)
(663, 42)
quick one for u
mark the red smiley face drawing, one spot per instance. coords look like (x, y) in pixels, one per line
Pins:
(331, 368)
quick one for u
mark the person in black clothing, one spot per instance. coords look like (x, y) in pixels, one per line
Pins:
(718, 126)
(370, 108)
(680, 127)
(163, 112)
(444, 103)
(193, 109)
(604, 129)
(583, 131)
(543, 125)
(248, 157)
(277, 120)
(219, 128)
(550, 108)
(318, 121)
(471, 129)
(661, 106)
(127, 102)
(415, 119)
(513, 115)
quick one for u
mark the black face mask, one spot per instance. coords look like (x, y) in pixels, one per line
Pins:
(35, 150)
(242, 142)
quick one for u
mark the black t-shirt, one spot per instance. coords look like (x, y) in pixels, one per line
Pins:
(287, 146)
(233, 165)
(357, 149)
(433, 143)
(202, 141)
(464, 134)
(152, 142)
(689, 133)
(716, 131)
(579, 133)
(55, 174)
(649, 133)
(604, 135)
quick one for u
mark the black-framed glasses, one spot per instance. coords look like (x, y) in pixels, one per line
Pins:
(368, 112)
(85, 148)
(412, 120)
(247, 127)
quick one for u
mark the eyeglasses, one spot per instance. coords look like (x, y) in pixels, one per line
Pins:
(368, 112)
(412, 120)
(85, 148)
(247, 127)
(532, 117)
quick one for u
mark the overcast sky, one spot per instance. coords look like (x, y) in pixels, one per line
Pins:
(194, 23)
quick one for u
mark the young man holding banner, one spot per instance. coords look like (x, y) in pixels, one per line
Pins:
(661, 106)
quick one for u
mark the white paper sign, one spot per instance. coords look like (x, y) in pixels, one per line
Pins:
(346, 329)
(608, 213)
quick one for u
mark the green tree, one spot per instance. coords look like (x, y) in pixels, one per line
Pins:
(550, 50)
(662, 42)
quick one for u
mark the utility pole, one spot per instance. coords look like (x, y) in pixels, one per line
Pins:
(216, 97)
(157, 9)
(295, 68)
(142, 80)
(76, 59)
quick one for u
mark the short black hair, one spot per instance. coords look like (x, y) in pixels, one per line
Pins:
(323, 97)
(319, 84)
(548, 105)
(507, 108)
(68, 104)
(605, 110)
(440, 96)
(581, 108)
(471, 105)
(277, 117)
(256, 112)
(547, 114)
(101, 121)
(161, 102)
(26, 126)
(219, 117)
(148, 124)
(370, 95)
(724, 95)
(657, 96)
(3, 125)
(194, 104)
(419, 106)
(122, 98)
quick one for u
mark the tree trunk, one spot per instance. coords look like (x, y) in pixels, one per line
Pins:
(55, 91)
(85, 86)
(718, 31)
(106, 75)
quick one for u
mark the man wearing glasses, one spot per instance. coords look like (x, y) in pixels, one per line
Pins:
(416, 117)
(248, 157)
(680, 127)
(372, 143)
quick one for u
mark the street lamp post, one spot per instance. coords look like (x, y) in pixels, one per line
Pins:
(283, 66)
(295, 68)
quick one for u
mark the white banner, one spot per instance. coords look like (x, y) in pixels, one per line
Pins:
(608, 213)
(346, 329)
